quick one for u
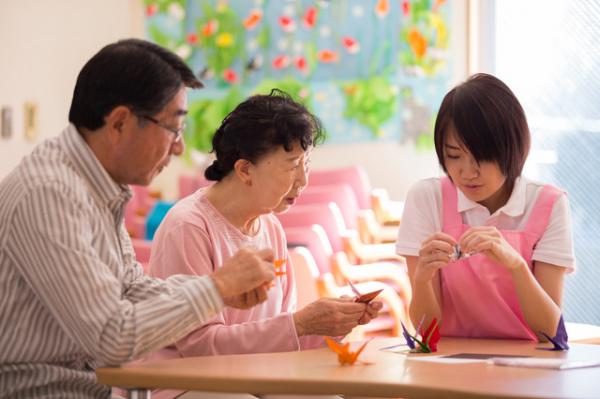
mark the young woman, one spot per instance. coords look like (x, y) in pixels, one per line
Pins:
(514, 234)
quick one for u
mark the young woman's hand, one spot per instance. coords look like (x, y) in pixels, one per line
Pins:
(434, 254)
(488, 241)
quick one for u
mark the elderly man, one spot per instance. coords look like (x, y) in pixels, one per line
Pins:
(72, 296)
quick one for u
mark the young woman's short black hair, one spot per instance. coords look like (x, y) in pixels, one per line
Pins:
(132, 72)
(260, 125)
(488, 119)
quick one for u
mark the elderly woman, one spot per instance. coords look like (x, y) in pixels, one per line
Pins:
(262, 150)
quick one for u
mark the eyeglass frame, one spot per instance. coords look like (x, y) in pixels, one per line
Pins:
(177, 132)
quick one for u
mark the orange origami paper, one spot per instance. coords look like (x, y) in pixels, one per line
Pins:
(345, 356)
(279, 263)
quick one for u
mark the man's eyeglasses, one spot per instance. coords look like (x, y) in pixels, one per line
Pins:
(177, 132)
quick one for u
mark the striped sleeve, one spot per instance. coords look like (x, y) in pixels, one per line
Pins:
(53, 250)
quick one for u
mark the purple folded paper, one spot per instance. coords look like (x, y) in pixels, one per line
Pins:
(409, 340)
(560, 339)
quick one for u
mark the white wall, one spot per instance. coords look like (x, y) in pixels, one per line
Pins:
(45, 43)
(43, 46)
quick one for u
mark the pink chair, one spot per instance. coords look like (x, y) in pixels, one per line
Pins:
(353, 175)
(311, 285)
(330, 218)
(327, 215)
(142, 249)
(315, 240)
(341, 194)
(307, 275)
(134, 223)
(188, 184)
(378, 212)
(339, 266)
(136, 210)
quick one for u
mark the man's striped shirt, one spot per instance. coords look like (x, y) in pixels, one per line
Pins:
(72, 296)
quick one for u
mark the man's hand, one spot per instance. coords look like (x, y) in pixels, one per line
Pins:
(248, 299)
(245, 278)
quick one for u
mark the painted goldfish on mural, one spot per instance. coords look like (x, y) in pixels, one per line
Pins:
(151, 9)
(230, 76)
(382, 8)
(287, 24)
(327, 56)
(209, 28)
(351, 45)
(437, 4)
(417, 43)
(301, 64)
(281, 61)
(310, 17)
(405, 8)
(253, 19)
(191, 38)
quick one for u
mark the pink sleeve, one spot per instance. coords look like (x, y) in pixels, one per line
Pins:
(186, 248)
(276, 334)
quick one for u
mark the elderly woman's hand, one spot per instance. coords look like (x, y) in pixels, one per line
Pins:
(330, 316)
(371, 312)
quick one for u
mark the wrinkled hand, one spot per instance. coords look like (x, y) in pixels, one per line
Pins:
(488, 241)
(433, 255)
(329, 316)
(245, 278)
(371, 312)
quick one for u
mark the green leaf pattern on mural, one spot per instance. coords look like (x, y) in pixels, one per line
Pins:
(370, 101)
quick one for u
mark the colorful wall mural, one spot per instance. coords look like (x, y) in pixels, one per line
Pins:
(370, 69)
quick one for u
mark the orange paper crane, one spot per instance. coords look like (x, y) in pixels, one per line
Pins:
(345, 356)
(279, 263)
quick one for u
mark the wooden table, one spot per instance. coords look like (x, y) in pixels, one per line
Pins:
(392, 374)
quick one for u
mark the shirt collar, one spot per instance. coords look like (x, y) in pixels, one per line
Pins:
(100, 183)
(514, 207)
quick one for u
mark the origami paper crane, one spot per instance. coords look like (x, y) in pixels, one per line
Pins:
(560, 339)
(279, 263)
(429, 338)
(345, 356)
(458, 254)
(363, 298)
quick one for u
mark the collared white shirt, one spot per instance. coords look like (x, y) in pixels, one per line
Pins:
(72, 296)
(422, 217)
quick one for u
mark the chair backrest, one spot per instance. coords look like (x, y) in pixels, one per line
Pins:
(341, 194)
(155, 217)
(188, 184)
(327, 215)
(140, 196)
(315, 240)
(142, 249)
(354, 175)
(306, 274)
